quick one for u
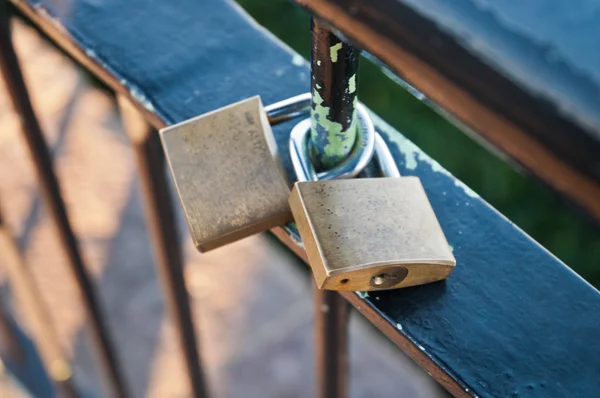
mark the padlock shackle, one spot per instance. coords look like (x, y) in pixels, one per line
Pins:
(298, 147)
(289, 108)
(385, 161)
(361, 154)
(305, 170)
(300, 105)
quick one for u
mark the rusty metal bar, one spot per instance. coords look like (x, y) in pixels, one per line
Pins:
(42, 159)
(331, 343)
(162, 223)
(334, 67)
(30, 297)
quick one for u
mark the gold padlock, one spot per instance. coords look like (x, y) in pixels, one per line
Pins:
(370, 233)
(228, 173)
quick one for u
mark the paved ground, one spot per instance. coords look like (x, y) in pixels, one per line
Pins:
(251, 300)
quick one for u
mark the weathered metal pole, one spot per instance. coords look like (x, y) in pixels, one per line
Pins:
(334, 67)
(40, 155)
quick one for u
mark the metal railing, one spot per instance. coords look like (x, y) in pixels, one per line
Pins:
(332, 79)
(335, 82)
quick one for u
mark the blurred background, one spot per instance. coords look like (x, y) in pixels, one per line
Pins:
(564, 231)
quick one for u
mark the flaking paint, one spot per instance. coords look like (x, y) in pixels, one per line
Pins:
(334, 140)
(333, 51)
(298, 60)
(413, 155)
(352, 85)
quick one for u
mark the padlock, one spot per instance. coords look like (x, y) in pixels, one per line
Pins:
(368, 233)
(227, 170)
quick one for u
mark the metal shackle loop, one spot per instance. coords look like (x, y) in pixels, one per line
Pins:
(361, 154)
(289, 108)
(385, 160)
(300, 105)
(368, 142)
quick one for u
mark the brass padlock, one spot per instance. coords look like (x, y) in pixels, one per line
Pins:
(370, 233)
(227, 170)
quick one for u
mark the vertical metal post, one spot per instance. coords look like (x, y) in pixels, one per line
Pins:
(21, 280)
(162, 223)
(334, 67)
(331, 343)
(42, 159)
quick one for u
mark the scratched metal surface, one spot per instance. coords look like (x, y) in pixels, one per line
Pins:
(510, 320)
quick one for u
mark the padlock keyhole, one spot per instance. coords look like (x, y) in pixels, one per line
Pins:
(389, 277)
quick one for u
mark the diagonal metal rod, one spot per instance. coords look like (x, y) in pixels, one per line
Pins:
(29, 295)
(20, 357)
(8, 336)
(51, 191)
(334, 67)
(163, 227)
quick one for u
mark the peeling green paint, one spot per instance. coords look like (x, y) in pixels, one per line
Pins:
(298, 60)
(435, 166)
(333, 51)
(352, 84)
(292, 230)
(90, 53)
(337, 143)
(412, 154)
(141, 98)
(317, 99)
(362, 295)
